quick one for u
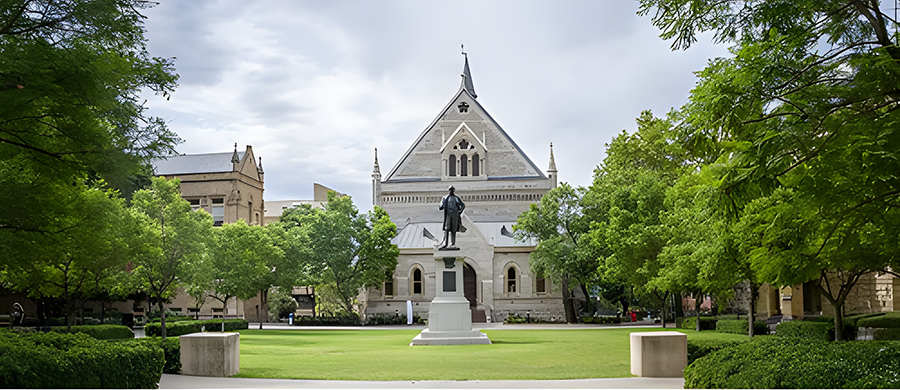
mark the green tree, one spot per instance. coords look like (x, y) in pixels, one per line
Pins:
(807, 102)
(345, 251)
(240, 263)
(172, 239)
(558, 224)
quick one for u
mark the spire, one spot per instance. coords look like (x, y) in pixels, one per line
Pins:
(376, 170)
(234, 157)
(552, 167)
(467, 77)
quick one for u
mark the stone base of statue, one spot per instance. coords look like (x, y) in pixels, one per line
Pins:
(449, 318)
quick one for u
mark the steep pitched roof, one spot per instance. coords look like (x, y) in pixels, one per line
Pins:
(195, 163)
(466, 90)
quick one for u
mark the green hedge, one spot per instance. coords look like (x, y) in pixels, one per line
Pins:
(173, 319)
(699, 348)
(99, 332)
(58, 360)
(706, 323)
(740, 327)
(327, 321)
(179, 328)
(602, 320)
(171, 350)
(888, 320)
(807, 329)
(887, 334)
(778, 362)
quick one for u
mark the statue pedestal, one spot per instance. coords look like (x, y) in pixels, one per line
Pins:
(449, 318)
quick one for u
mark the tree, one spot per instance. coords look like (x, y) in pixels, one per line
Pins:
(173, 239)
(558, 224)
(345, 250)
(240, 263)
(808, 103)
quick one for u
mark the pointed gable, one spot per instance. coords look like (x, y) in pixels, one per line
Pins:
(464, 118)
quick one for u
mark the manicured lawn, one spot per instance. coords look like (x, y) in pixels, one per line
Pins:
(386, 355)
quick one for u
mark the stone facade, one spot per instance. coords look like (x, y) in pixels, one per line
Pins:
(874, 292)
(464, 147)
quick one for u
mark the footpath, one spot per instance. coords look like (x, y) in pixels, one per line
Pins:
(169, 381)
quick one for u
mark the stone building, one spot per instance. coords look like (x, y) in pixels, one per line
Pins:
(229, 186)
(466, 148)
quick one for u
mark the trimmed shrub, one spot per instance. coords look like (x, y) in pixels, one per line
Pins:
(602, 320)
(888, 320)
(887, 334)
(740, 327)
(58, 360)
(778, 362)
(327, 321)
(699, 348)
(179, 328)
(706, 323)
(99, 332)
(171, 351)
(172, 318)
(807, 329)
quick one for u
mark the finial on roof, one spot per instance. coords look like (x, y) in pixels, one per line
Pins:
(552, 167)
(260, 168)
(234, 157)
(467, 76)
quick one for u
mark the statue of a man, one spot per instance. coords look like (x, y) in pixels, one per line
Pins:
(453, 207)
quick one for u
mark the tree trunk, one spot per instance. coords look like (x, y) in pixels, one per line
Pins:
(665, 301)
(698, 300)
(567, 301)
(751, 317)
(162, 319)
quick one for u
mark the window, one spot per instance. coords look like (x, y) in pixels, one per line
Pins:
(475, 165)
(417, 284)
(452, 168)
(250, 213)
(388, 289)
(218, 214)
(463, 107)
(195, 204)
(464, 165)
(540, 285)
(511, 280)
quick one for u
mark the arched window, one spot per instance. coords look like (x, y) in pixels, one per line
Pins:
(511, 280)
(452, 168)
(464, 165)
(418, 286)
(475, 165)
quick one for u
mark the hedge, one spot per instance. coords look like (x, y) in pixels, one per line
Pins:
(171, 350)
(327, 321)
(778, 362)
(602, 320)
(740, 327)
(699, 348)
(179, 328)
(706, 323)
(887, 334)
(807, 329)
(173, 318)
(99, 332)
(888, 320)
(59, 360)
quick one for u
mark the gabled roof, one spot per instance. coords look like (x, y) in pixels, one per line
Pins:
(468, 89)
(195, 163)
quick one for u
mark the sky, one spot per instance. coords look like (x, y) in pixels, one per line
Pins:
(316, 86)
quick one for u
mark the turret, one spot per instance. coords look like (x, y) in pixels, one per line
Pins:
(376, 182)
(551, 170)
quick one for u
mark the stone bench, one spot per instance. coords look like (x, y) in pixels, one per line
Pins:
(210, 354)
(658, 354)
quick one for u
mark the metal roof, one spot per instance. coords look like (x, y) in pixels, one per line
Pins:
(413, 235)
(195, 163)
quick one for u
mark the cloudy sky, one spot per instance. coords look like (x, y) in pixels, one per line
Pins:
(315, 86)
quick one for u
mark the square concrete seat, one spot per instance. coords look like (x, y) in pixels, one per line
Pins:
(210, 354)
(658, 354)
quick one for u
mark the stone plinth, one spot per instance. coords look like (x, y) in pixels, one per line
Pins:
(210, 354)
(658, 354)
(449, 316)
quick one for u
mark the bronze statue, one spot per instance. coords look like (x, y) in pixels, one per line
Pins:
(453, 207)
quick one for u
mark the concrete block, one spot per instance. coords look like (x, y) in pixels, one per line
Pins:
(658, 354)
(210, 354)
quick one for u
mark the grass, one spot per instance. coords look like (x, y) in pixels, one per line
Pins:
(385, 355)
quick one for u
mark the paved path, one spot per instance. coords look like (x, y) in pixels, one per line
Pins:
(198, 382)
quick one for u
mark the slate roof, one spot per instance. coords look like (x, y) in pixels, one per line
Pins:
(413, 235)
(195, 163)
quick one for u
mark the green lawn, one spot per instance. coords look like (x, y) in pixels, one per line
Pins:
(386, 355)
